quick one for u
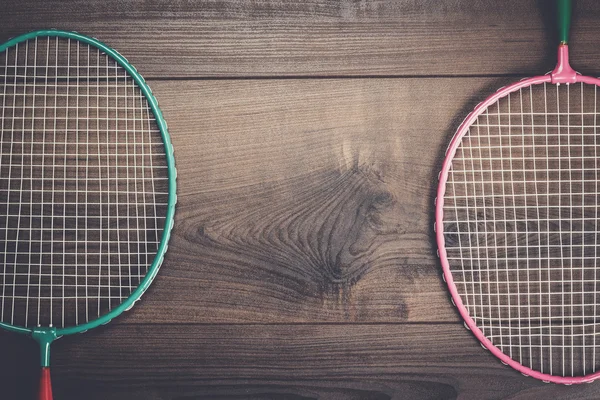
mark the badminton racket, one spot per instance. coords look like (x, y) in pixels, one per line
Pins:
(87, 187)
(517, 222)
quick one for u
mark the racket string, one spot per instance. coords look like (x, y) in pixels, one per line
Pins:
(83, 183)
(521, 226)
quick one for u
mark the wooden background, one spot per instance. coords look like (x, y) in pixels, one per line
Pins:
(308, 137)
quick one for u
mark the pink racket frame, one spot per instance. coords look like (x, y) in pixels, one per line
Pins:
(563, 73)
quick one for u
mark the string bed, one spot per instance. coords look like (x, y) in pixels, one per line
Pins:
(83, 184)
(521, 226)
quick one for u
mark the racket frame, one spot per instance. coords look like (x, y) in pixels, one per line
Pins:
(46, 335)
(563, 73)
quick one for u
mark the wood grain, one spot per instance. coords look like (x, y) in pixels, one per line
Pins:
(284, 362)
(221, 38)
(306, 200)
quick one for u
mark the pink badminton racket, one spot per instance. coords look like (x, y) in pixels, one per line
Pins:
(517, 219)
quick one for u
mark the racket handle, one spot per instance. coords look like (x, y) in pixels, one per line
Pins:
(45, 384)
(563, 11)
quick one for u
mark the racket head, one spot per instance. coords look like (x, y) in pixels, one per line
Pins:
(559, 75)
(47, 333)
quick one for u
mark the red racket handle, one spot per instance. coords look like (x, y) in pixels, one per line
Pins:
(45, 385)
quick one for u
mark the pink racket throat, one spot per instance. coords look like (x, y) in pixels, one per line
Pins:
(517, 221)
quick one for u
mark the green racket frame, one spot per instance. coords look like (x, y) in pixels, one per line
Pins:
(46, 335)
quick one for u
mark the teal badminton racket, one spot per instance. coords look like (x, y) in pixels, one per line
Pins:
(87, 187)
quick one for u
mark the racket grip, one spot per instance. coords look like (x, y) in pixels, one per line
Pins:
(45, 392)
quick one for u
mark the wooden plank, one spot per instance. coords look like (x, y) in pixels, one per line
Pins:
(165, 38)
(419, 361)
(307, 200)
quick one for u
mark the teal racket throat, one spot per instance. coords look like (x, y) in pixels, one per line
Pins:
(87, 186)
